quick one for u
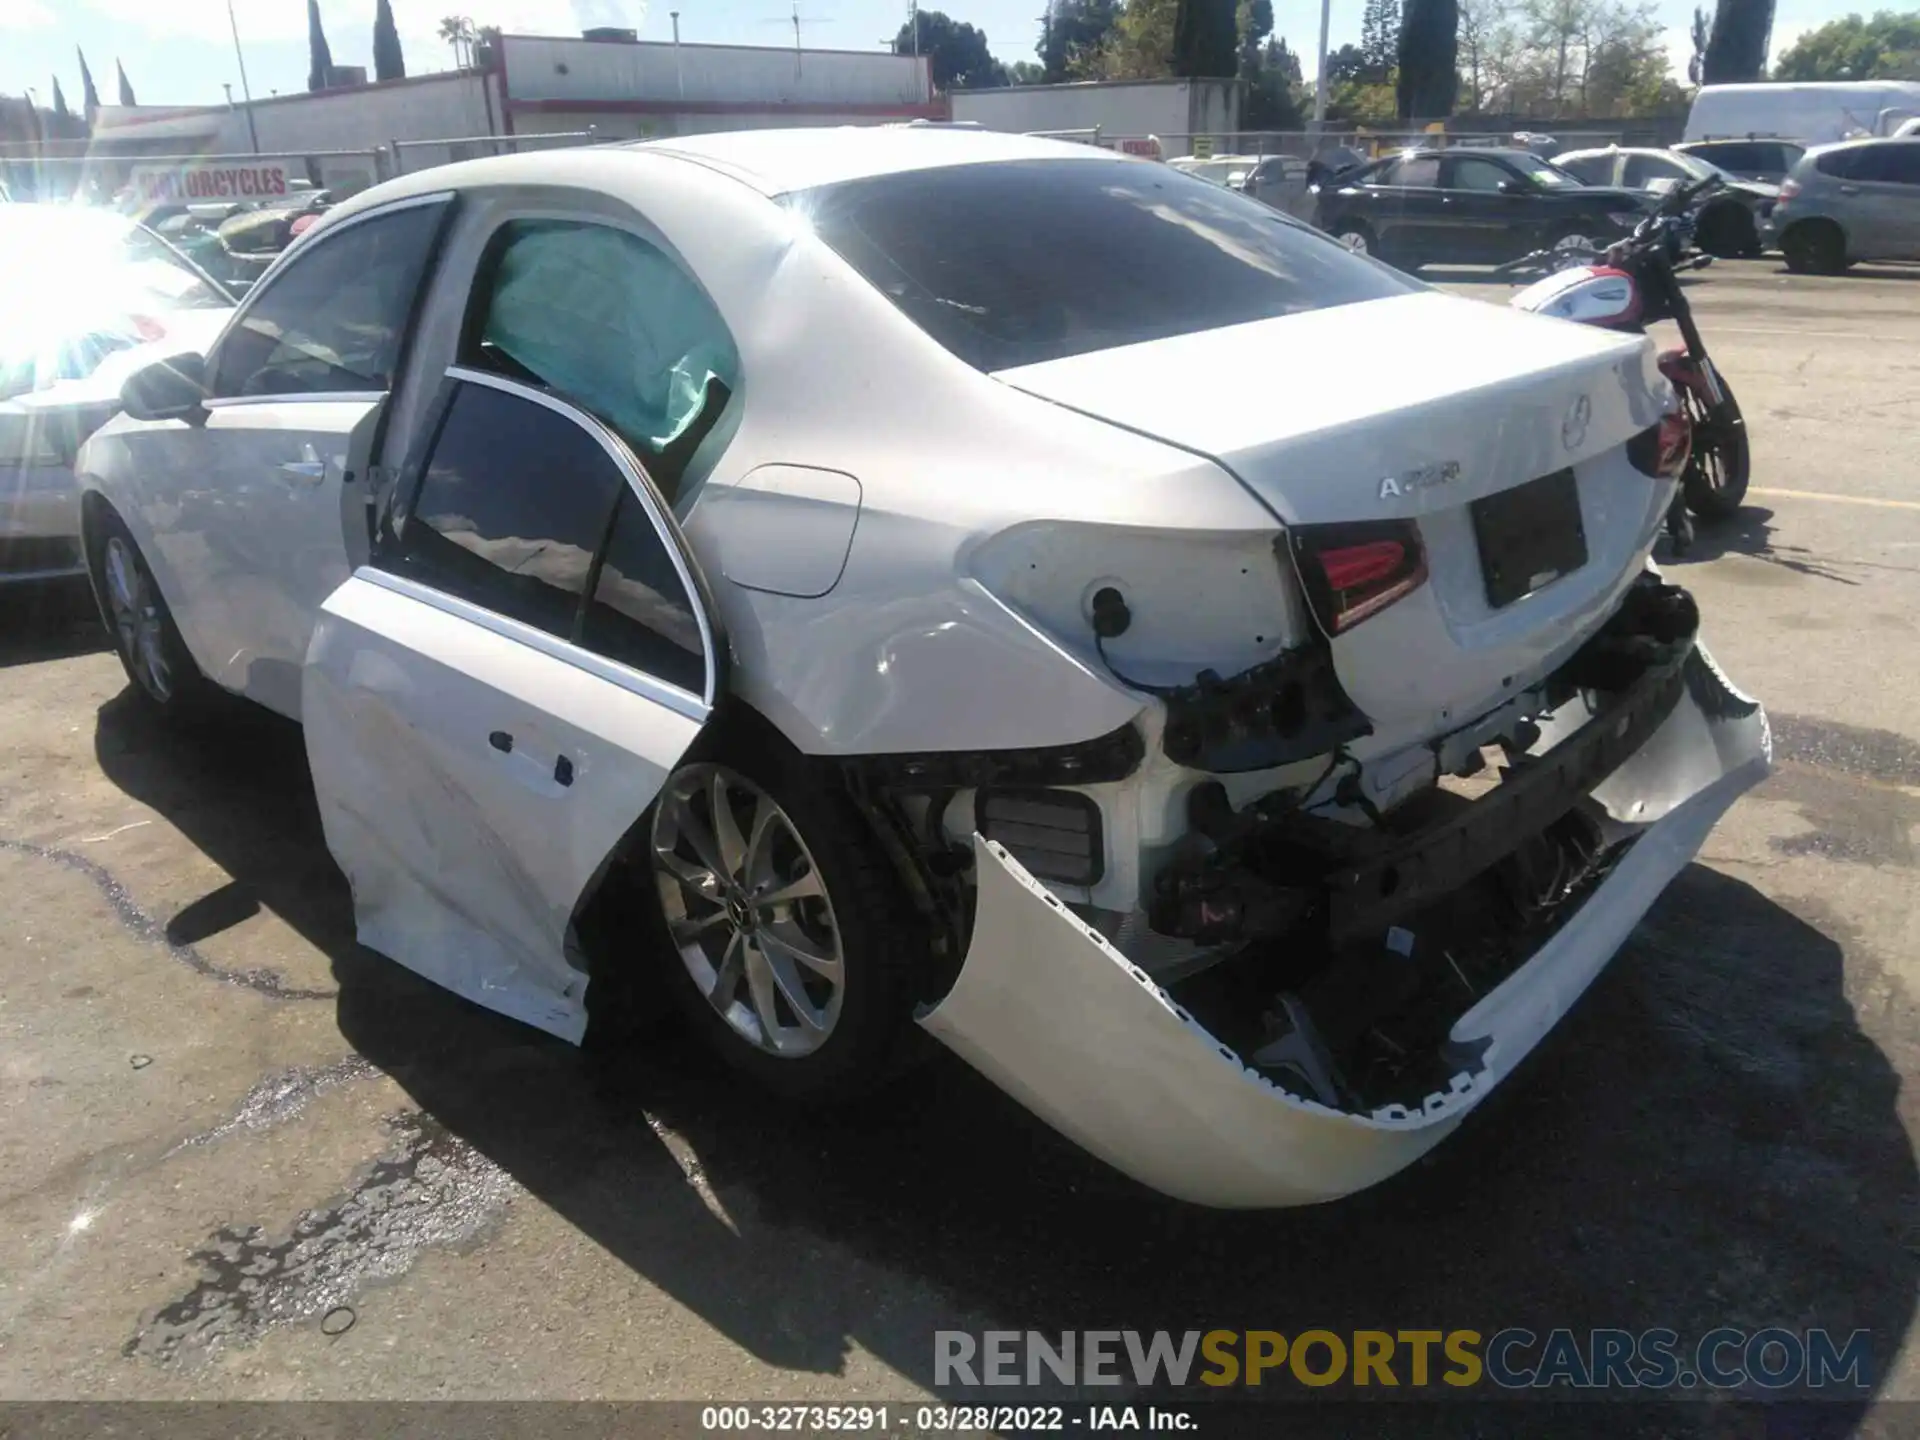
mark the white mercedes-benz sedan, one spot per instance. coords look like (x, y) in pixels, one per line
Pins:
(958, 584)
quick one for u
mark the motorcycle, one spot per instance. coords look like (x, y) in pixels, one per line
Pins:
(1631, 285)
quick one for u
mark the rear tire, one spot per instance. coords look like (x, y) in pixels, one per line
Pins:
(1715, 480)
(1814, 247)
(165, 676)
(843, 943)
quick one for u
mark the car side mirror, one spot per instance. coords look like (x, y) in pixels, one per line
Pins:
(171, 389)
(1512, 187)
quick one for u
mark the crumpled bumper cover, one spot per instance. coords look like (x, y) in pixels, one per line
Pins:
(1057, 1017)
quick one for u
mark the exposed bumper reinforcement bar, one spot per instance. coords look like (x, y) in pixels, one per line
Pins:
(1066, 1024)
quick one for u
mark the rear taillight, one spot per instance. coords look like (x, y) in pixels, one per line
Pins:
(1661, 451)
(1789, 189)
(1355, 570)
(147, 328)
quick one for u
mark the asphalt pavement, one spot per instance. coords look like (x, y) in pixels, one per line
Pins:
(241, 1157)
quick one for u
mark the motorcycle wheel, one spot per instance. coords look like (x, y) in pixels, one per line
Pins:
(1715, 482)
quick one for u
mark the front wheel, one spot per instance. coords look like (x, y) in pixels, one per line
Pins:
(1355, 236)
(1715, 480)
(145, 637)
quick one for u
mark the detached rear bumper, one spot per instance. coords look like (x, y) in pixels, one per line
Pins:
(1052, 1013)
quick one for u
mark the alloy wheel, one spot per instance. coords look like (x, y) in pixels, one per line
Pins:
(1575, 242)
(748, 910)
(1354, 240)
(136, 619)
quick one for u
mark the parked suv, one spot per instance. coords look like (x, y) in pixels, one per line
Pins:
(1768, 160)
(1859, 200)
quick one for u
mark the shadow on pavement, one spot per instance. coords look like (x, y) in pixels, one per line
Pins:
(1750, 532)
(48, 620)
(1708, 1140)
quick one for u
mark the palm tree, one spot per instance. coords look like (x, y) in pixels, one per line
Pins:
(457, 31)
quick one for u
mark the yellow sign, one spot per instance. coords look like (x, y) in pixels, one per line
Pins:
(1203, 147)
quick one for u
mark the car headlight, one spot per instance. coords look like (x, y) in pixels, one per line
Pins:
(1625, 219)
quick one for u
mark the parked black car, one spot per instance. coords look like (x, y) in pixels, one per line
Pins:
(1768, 160)
(1471, 206)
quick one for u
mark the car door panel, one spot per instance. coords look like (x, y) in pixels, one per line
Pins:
(293, 528)
(436, 733)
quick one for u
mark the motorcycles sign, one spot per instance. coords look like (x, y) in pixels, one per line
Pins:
(186, 184)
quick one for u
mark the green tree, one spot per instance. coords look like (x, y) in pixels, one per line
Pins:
(1380, 40)
(1737, 46)
(1346, 66)
(1700, 32)
(1253, 22)
(1140, 46)
(956, 52)
(319, 55)
(1273, 97)
(1203, 38)
(1886, 47)
(458, 31)
(388, 62)
(89, 97)
(62, 117)
(1025, 72)
(1428, 85)
(1073, 33)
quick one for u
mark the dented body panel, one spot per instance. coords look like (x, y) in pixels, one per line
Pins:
(1052, 1013)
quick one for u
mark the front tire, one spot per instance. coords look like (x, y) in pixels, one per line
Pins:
(1357, 237)
(1715, 480)
(1727, 232)
(789, 941)
(157, 661)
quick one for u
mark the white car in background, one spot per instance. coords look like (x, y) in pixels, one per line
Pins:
(86, 298)
(955, 579)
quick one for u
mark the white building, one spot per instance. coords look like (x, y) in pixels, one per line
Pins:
(1121, 110)
(539, 85)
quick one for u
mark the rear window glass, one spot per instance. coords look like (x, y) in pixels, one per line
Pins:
(1035, 260)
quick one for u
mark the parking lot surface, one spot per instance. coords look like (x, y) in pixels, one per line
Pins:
(241, 1157)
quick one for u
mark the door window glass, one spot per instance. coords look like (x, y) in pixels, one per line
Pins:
(1588, 169)
(1900, 164)
(511, 509)
(1415, 170)
(610, 321)
(333, 320)
(641, 614)
(1482, 175)
(1643, 170)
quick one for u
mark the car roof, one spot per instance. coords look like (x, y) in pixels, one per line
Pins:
(779, 162)
(774, 162)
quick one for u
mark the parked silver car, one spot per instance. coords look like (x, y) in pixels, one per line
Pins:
(1276, 180)
(1749, 159)
(1858, 200)
(1727, 223)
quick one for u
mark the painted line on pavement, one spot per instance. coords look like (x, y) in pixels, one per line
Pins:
(1874, 501)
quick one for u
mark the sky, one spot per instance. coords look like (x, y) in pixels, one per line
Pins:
(180, 52)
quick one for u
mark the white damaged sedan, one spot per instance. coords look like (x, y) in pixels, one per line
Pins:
(959, 583)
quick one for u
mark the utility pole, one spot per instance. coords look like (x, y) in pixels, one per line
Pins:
(1320, 73)
(679, 75)
(246, 92)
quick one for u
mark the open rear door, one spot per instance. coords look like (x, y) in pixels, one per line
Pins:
(495, 701)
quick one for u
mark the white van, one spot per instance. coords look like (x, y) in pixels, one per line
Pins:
(1812, 113)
